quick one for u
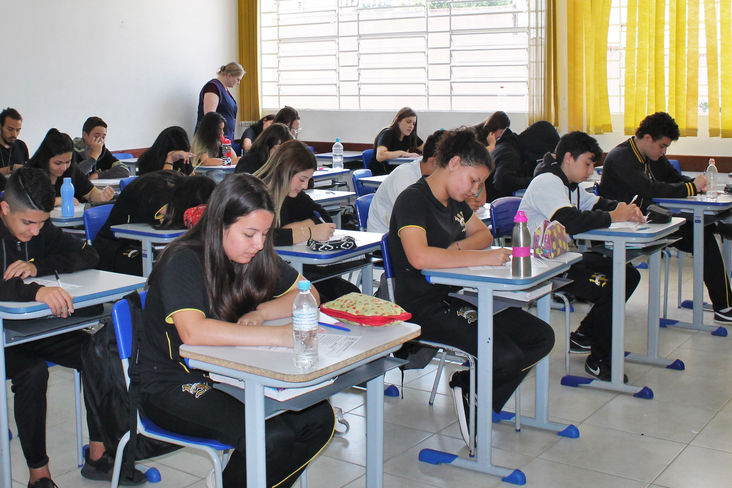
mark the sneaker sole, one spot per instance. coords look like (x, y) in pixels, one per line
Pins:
(457, 402)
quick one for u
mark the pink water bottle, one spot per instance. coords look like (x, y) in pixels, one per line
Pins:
(521, 246)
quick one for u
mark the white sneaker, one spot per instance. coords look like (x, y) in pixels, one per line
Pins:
(461, 411)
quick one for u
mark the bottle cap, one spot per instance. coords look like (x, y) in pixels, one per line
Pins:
(338, 139)
(303, 285)
(224, 140)
(67, 179)
(520, 217)
(712, 161)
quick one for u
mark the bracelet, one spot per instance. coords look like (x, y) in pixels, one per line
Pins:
(310, 233)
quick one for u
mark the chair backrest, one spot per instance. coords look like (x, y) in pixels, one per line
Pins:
(125, 181)
(388, 269)
(122, 321)
(675, 163)
(362, 210)
(122, 155)
(94, 219)
(367, 156)
(503, 210)
(357, 186)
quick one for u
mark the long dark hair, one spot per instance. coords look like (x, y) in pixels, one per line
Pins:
(233, 289)
(207, 139)
(403, 113)
(272, 136)
(188, 192)
(258, 126)
(498, 120)
(462, 142)
(173, 138)
(53, 144)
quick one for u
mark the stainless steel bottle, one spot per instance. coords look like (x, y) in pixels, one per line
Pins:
(521, 246)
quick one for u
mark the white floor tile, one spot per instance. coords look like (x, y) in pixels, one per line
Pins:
(697, 467)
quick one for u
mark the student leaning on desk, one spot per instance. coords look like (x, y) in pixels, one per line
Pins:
(32, 247)
(216, 285)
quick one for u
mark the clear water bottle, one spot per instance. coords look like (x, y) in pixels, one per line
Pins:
(225, 151)
(711, 174)
(337, 154)
(305, 326)
(521, 243)
(67, 198)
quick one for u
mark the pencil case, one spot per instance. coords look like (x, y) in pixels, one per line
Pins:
(359, 309)
(550, 240)
(345, 242)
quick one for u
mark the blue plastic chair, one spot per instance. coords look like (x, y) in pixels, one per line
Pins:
(367, 156)
(94, 219)
(675, 163)
(503, 210)
(122, 322)
(357, 186)
(125, 181)
(122, 155)
(362, 210)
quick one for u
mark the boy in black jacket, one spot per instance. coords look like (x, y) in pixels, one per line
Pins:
(554, 194)
(32, 247)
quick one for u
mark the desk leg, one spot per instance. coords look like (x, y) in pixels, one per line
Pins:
(4, 439)
(375, 432)
(147, 258)
(367, 279)
(254, 425)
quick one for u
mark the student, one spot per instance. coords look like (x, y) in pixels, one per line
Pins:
(92, 156)
(159, 199)
(171, 150)
(432, 227)
(297, 217)
(54, 157)
(639, 167)
(289, 116)
(399, 140)
(206, 146)
(253, 131)
(403, 176)
(33, 247)
(216, 285)
(554, 195)
(263, 147)
(13, 151)
(216, 97)
(491, 130)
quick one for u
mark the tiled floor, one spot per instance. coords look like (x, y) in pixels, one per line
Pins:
(680, 439)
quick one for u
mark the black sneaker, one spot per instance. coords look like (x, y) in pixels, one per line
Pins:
(579, 342)
(43, 483)
(600, 368)
(723, 316)
(102, 469)
(461, 402)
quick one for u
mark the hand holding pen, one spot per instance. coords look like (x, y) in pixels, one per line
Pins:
(57, 299)
(324, 230)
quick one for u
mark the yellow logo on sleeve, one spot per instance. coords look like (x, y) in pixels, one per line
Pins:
(460, 219)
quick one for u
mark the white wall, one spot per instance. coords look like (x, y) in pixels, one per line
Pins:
(139, 64)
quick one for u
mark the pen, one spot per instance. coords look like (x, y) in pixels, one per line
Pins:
(633, 200)
(58, 278)
(319, 217)
(334, 326)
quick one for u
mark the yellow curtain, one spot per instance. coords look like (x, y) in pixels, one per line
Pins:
(719, 67)
(710, 25)
(588, 104)
(249, 59)
(726, 74)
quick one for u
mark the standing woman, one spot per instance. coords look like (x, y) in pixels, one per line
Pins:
(263, 147)
(297, 217)
(216, 285)
(171, 151)
(206, 146)
(54, 157)
(432, 227)
(399, 140)
(253, 131)
(215, 97)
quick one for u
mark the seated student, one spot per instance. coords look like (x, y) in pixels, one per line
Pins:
(253, 131)
(33, 247)
(53, 156)
(286, 174)
(13, 151)
(289, 116)
(216, 285)
(171, 150)
(639, 167)
(403, 176)
(92, 156)
(399, 140)
(263, 147)
(159, 199)
(432, 227)
(206, 147)
(554, 194)
(491, 130)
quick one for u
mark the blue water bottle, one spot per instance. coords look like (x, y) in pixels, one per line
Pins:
(67, 198)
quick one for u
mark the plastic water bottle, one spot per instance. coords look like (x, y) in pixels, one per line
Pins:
(711, 174)
(67, 198)
(521, 242)
(225, 151)
(305, 326)
(337, 154)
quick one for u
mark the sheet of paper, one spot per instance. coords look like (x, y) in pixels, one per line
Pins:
(333, 344)
(624, 225)
(42, 282)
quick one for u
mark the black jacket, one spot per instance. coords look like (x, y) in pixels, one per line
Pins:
(510, 174)
(297, 209)
(51, 250)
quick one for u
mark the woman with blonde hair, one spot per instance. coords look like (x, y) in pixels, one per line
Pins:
(215, 97)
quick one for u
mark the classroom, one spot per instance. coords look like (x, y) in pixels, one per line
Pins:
(140, 66)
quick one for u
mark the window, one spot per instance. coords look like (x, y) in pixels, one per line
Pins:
(382, 54)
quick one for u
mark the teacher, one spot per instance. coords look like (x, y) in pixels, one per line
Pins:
(215, 97)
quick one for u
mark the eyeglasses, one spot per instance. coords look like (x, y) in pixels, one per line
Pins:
(295, 132)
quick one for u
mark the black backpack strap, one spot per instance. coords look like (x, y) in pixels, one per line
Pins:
(135, 305)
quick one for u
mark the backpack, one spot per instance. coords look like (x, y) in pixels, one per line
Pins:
(107, 395)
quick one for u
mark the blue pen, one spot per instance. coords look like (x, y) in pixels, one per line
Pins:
(334, 326)
(320, 217)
